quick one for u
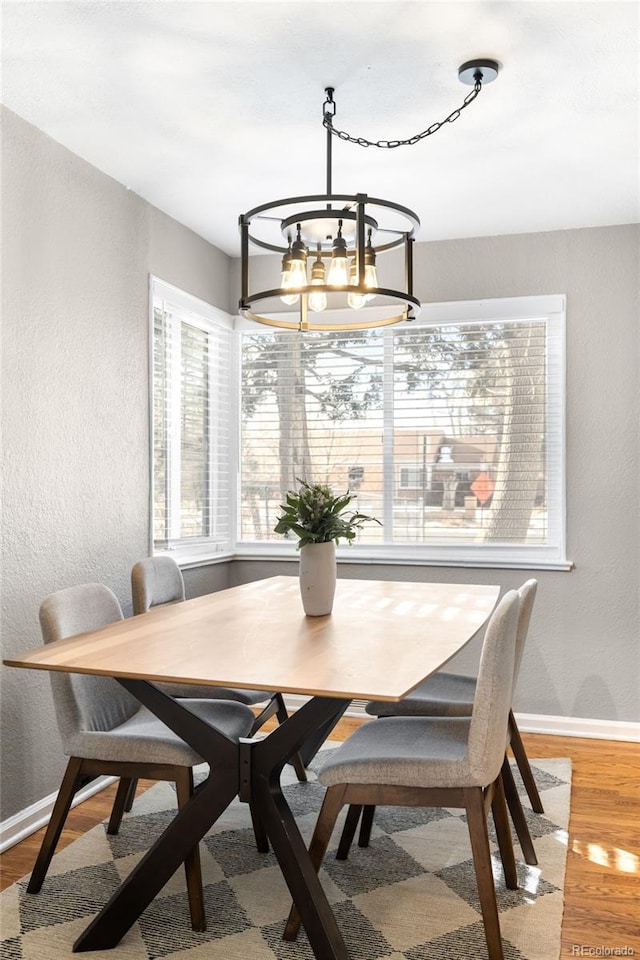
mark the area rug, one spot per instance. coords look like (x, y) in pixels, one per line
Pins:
(410, 896)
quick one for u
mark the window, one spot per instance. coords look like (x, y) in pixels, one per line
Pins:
(450, 430)
(191, 500)
(413, 478)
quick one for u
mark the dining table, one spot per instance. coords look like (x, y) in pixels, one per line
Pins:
(381, 640)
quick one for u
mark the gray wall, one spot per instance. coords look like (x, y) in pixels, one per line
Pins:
(77, 251)
(582, 658)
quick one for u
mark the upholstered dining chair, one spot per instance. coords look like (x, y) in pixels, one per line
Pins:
(158, 580)
(437, 762)
(452, 695)
(106, 731)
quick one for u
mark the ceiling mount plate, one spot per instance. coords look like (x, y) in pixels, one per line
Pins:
(483, 70)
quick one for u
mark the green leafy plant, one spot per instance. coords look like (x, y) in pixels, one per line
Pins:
(315, 515)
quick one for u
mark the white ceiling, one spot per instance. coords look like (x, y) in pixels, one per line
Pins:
(207, 109)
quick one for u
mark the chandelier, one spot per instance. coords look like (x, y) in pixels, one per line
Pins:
(333, 245)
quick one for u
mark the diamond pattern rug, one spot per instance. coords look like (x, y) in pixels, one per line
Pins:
(410, 896)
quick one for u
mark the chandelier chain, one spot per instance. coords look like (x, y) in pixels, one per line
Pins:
(329, 109)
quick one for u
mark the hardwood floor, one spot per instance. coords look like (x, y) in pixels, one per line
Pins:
(602, 891)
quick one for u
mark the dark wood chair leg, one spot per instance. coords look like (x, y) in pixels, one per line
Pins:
(68, 788)
(348, 831)
(503, 833)
(131, 795)
(331, 807)
(517, 815)
(520, 754)
(368, 813)
(477, 823)
(262, 840)
(119, 805)
(184, 791)
(265, 714)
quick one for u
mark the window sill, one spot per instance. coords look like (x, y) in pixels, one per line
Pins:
(348, 556)
(187, 560)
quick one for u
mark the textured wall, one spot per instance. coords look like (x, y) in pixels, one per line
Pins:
(584, 653)
(77, 251)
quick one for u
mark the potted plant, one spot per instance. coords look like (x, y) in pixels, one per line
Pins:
(319, 520)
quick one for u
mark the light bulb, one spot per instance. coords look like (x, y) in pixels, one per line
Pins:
(317, 301)
(370, 275)
(339, 268)
(355, 300)
(338, 272)
(285, 280)
(297, 273)
(298, 264)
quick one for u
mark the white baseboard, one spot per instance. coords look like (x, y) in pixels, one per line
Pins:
(579, 727)
(27, 821)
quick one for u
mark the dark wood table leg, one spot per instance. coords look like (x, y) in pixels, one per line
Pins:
(251, 769)
(190, 824)
(315, 740)
(167, 854)
(263, 762)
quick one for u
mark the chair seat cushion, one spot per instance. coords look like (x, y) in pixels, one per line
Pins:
(406, 751)
(202, 692)
(442, 695)
(143, 738)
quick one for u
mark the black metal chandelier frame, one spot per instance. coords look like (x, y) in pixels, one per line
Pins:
(355, 227)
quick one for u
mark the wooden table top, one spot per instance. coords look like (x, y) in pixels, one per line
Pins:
(382, 639)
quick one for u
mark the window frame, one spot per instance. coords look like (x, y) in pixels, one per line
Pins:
(423, 478)
(549, 308)
(212, 320)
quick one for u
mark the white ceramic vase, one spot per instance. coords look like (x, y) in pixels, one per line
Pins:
(318, 578)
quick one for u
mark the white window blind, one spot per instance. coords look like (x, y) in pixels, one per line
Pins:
(450, 431)
(191, 436)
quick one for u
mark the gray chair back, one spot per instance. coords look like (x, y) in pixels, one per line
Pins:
(494, 689)
(527, 594)
(84, 702)
(154, 581)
